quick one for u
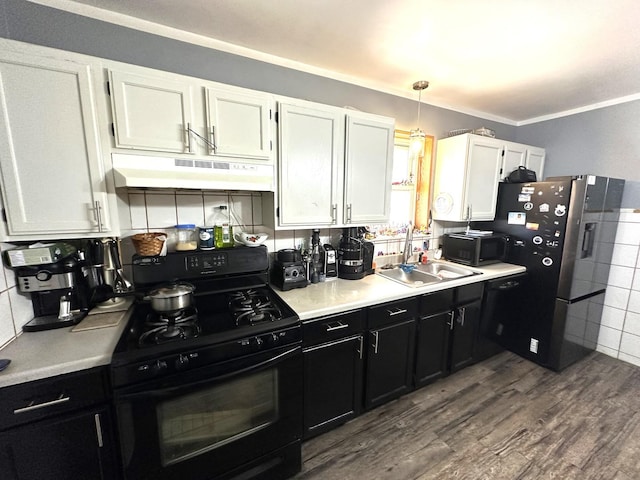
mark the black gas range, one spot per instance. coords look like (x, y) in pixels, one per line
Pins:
(213, 390)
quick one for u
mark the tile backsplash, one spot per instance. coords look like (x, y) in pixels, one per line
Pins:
(620, 329)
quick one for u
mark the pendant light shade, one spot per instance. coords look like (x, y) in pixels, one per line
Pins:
(417, 136)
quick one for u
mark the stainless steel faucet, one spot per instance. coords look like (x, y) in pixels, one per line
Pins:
(408, 246)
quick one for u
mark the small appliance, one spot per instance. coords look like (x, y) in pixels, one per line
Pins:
(58, 293)
(355, 254)
(474, 248)
(288, 270)
(330, 261)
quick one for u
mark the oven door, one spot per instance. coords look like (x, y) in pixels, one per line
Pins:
(221, 418)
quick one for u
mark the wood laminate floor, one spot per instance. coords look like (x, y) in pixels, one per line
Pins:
(504, 418)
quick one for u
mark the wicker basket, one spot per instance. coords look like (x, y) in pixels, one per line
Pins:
(148, 244)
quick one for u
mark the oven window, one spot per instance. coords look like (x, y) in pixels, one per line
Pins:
(209, 418)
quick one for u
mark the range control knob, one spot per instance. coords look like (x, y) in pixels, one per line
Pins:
(273, 338)
(159, 366)
(257, 342)
(182, 362)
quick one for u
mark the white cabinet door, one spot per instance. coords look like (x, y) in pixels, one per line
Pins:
(239, 124)
(466, 178)
(151, 113)
(513, 157)
(482, 178)
(535, 161)
(310, 142)
(368, 167)
(52, 173)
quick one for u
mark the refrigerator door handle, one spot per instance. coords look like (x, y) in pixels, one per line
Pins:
(588, 239)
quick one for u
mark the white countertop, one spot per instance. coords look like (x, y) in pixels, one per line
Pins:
(339, 295)
(37, 355)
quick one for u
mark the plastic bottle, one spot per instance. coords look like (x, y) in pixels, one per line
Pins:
(222, 229)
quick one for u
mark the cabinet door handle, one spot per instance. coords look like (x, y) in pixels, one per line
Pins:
(98, 430)
(451, 320)
(361, 348)
(375, 345)
(461, 316)
(98, 215)
(188, 138)
(212, 144)
(334, 213)
(336, 326)
(31, 406)
(348, 213)
(398, 311)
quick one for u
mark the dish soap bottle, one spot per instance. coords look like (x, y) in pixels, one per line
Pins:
(222, 229)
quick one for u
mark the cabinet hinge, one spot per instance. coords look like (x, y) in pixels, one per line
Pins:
(277, 212)
(113, 129)
(276, 117)
(108, 88)
(502, 154)
(4, 215)
(270, 114)
(271, 145)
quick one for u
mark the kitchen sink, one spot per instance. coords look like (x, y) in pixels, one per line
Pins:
(413, 278)
(425, 274)
(445, 271)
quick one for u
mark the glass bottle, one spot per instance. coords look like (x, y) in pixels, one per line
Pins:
(222, 229)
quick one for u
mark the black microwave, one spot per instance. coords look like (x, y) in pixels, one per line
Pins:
(474, 250)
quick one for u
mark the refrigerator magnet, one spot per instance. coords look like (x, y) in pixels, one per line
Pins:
(516, 218)
(524, 197)
(532, 226)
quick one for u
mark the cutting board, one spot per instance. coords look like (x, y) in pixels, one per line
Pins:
(99, 320)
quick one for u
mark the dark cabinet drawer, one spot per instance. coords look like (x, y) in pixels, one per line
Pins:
(436, 302)
(393, 312)
(39, 399)
(333, 327)
(469, 293)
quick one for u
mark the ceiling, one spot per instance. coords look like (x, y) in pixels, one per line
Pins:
(515, 61)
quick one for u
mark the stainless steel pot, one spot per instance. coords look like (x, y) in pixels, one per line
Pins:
(171, 298)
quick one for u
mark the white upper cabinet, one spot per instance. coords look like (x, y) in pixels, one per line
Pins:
(468, 170)
(310, 165)
(52, 173)
(514, 155)
(163, 112)
(368, 168)
(334, 166)
(535, 161)
(466, 178)
(151, 113)
(239, 124)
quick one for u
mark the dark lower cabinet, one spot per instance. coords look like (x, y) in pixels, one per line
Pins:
(69, 447)
(58, 428)
(432, 347)
(463, 335)
(333, 355)
(447, 332)
(332, 385)
(390, 351)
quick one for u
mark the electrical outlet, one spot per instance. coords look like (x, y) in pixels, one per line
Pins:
(533, 345)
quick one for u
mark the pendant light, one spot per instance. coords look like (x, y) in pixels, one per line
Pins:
(417, 136)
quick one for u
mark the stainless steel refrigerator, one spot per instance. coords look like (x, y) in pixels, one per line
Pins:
(563, 231)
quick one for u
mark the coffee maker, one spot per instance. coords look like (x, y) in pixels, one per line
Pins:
(58, 293)
(355, 254)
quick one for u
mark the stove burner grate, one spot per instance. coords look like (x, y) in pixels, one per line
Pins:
(249, 307)
(168, 327)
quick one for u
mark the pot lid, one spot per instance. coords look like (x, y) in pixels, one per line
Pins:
(170, 291)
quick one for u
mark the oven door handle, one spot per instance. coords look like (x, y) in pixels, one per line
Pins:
(163, 392)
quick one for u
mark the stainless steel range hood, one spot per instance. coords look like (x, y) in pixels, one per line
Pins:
(197, 173)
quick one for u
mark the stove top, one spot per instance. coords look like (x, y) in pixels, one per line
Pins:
(232, 314)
